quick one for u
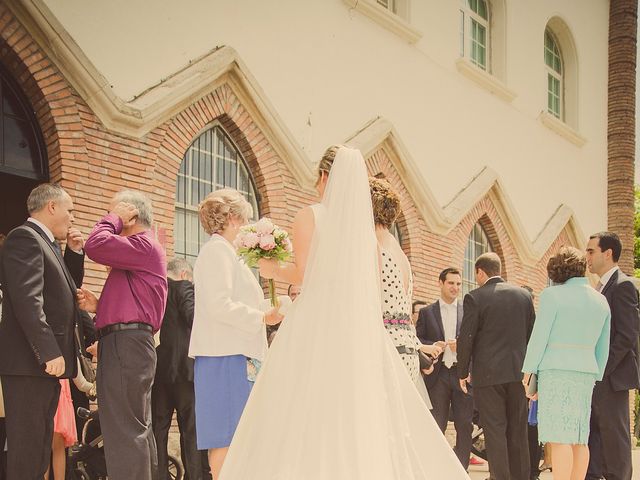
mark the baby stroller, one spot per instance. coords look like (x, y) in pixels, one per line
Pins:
(86, 460)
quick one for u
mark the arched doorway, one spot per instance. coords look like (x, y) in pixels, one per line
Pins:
(23, 156)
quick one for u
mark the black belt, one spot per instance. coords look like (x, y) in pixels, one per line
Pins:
(403, 349)
(118, 327)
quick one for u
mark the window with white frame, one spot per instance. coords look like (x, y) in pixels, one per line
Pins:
(555, 83)
(212, 162)
(477, 244)
(475, 34)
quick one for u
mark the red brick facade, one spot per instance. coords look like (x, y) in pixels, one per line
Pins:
(93, 163)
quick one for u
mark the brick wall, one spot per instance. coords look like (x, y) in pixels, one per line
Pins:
(93, 163)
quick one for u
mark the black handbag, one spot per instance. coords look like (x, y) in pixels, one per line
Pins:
(426, 362)
(86, 365)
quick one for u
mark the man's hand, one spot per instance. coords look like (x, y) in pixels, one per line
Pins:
(87, 300)
(127, 212)
(55, 367)
(464, 382)
(75, 240)
(93, 349)
(428, 371)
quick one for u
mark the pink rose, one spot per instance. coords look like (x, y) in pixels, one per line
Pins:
(267, 242)
(264, 226)
(250, 240)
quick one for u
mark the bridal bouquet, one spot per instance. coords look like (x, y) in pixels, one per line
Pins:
(263, 239)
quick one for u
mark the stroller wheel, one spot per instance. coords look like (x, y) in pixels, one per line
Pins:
(175, 469)
(79, 474)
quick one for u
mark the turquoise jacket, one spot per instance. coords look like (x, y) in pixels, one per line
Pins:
(571, 330)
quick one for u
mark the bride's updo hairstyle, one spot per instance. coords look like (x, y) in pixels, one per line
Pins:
(385, 202)
(218, 206)
(326, 162)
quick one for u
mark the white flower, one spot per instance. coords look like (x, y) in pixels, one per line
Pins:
(264, 226)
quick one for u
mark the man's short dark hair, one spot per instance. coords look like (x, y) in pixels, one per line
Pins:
(450, 270)
(418, 303)
(609, 241)
(489, 263)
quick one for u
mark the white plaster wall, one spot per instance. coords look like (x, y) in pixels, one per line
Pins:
(328, 70)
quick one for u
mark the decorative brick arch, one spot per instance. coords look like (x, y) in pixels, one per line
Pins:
(51, 97)
(269, 173)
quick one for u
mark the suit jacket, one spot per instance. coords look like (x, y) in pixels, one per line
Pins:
(39, 307)
(174, 364)
(497, 322)
(571, 331)
(430, 329)
(622, 366)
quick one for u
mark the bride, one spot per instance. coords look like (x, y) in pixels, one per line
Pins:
(333, 400)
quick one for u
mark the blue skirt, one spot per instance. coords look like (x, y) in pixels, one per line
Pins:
(222, 389)
(564, 406)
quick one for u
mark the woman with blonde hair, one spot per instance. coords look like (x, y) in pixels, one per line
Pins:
(229, 329)
(333, 399)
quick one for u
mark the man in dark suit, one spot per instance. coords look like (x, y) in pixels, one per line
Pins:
(497, 322)
(440, 322)
(173, 384)
(36, 331)
(610, 438)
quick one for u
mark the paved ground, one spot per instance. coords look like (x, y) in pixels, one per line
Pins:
(480, 473)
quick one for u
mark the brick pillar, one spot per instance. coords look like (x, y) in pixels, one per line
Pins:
(621, 125)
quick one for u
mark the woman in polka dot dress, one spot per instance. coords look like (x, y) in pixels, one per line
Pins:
(397, 284)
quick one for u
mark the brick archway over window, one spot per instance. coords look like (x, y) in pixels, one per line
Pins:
(273, 181)
(53, 100)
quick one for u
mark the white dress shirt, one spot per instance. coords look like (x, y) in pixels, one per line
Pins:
(606, 277)
(227, 317)
(44, 228)
(449, 314)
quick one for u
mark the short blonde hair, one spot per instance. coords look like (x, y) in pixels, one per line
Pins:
(215, 209)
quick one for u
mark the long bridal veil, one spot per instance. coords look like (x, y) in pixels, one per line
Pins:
(333, 400)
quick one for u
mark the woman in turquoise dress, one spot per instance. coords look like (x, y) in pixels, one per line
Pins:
(568, 351)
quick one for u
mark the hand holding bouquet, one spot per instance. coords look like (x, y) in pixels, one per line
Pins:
(263, 239)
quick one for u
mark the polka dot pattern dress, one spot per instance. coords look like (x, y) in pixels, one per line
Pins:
(396, 309)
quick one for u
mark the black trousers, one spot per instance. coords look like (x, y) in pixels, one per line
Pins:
(446, 395)
(126, 367)
(3, 454)
(535, 451)
(610, 435)
(165, 398)
(503, 415)
(30, 404)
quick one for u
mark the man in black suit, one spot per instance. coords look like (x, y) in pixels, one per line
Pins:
(497, 322)
(440, 322)
(610, 438)
(173, 384)
(36, 331)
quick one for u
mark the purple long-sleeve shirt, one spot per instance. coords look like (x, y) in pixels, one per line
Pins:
(136, 289)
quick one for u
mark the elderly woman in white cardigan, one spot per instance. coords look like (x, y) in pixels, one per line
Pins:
(228, 331)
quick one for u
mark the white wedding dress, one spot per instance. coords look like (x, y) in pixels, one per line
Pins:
(333, 400)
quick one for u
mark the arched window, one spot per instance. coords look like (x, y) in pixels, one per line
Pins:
(477, 244)
(555, 75)
(212, 162)
(22, 150)
(475, 33)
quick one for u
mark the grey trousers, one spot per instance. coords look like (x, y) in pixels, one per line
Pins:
(126, 367)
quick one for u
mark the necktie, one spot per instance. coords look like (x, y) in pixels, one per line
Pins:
(599, 286)
(56, 247)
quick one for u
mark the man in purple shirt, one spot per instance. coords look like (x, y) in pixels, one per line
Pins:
(129, 312)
